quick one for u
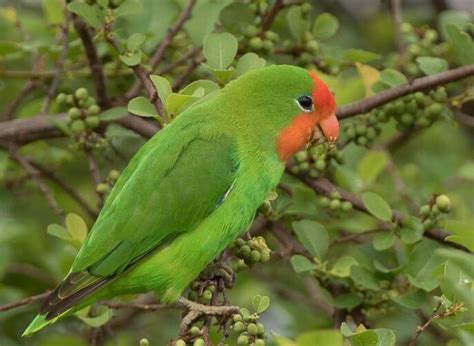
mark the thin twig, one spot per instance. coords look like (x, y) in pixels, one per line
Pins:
(178, 83)
(13, 106)
(59, 65)
(93, 167)
(95, 65)
(25, 301)
(269, 17)
(396, 7)
(435, 315)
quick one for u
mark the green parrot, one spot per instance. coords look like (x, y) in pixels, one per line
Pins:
(193, 188)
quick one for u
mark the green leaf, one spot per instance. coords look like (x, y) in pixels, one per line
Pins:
(383, 240)
(54, 11)
(237, 16)
(377, 206)
(359, 55)
(135, 41)
(301, 264)
(203, 84)
(373, 337)
(392, 78)
(325, 26)
(412, 300)
(459, 18)
(92, 14)
(249, 62)
(462, 44)
(462, 260)
(348, 301)
(220, 50)
(260, 303)
(59, 231)
(176, 103)
(132, 58)
(113, 113)
(313, 236)
(128, 7)
(371, 165)
(412, 230)
(364, 278)
(162, 86)
(142, 107)
(76, 227)
(296, 23)
(430, 65)
(8, 47)
(342, 267)
(421, 265)
(326, 337)
(223, 75)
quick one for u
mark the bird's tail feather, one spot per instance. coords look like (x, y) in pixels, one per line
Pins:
(40, 322)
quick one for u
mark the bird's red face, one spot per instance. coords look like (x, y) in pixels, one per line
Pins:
(317, 119)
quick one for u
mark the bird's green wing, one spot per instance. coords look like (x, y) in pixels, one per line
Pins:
(167, 189)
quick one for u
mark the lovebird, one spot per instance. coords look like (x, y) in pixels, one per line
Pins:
(193, 188)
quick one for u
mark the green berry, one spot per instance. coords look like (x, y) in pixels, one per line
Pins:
(346, 206)
(427, 224)
(251, 31)
(237, 317)
(419, 98)
(102, 188)
(301, 156)
(399, 107)
(245, 250)
(360, 129)
(144, 342)
(268, 45)
(335, 195)
(92, 122)
(324, 202)
(306, 58)
(406, 28)
(199, 342)
(261, 329)
(254, 256)
(252, 329)
(351, 134)
(422, 122)
(414, 49)
(272, 36)
(441, 95)
(70, 99)
(256, 43)
(243, 340)
(180, 342)
(239, 327)
(61, 98)
(304, 167)
(93, 110)
(320, 165)
(407, 119)
(90, 101)
(81, 94)
(207, 295)
(435, 210)
(114, 174)
(259, 342)
(435, 109)
(371, 133)
(372, 119)
(362, 140)
(78, 126)
(431, 35)
(443, 203)
(312, 46)
(313, 173)
(306, 8)
(265, 256)
(411, 106)
(74, 113)
(335, 204)
(425, 210)
(195, 330)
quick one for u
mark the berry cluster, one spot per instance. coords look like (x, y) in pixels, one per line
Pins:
(416, 110)
(250, 332)
(432, 212)
(419, 42)
(105, 187)
(335, 203)
(200, 293)
(250, 252)
(316, 160)
(82, 118)
(197, 342)
(257, 41)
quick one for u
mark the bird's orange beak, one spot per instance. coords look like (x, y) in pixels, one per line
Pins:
(324, 109)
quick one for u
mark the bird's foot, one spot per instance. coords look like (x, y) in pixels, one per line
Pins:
(219, 271)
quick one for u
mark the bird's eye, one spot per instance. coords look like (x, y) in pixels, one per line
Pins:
(305, 102)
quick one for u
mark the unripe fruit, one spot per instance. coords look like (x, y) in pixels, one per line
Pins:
(422, 122)
(259, 342)
(237, 317)
(195, 330)
(114, 174)
(443, 203)
(313, 173)
(206, 296)
(335, 204)
(424, 210)
(70, 99)
(81, 94)
(372, 119)
(304, 167)
(90, 101)
(407, 119)
(199, 342)
(238, 243)
(312, 46)
(251, 31)
(362, 140)
(102, 188)
(346, 206)
(252, 329)
(78, 126)
(360, 129)
(180, 342)
(261, 329)
(406, 28)
(306, 8)
(256, 43)
(399, 107)
(239, 327)
(93, 110)
(411, 106)
(320, 165)
(243, 340)
(74, 113)
(245, 250)
(335, 195)
(427, 224)
(324, 201)
(435, 110)
(441, 95)
(435, 210)
(272, 36)
(264, 256)
(301, 156)
(351, 133)
(61, 98)
(431, 35)
(371, 133)
(268, 45)
(254, 256)
(419, 97)
(92, 122)
(306, 58)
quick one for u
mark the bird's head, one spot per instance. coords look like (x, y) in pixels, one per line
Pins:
(291, 103)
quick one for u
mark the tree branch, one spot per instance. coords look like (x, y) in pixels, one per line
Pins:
(269, 17)
(25, 301)
(420, 84)
(93, 59)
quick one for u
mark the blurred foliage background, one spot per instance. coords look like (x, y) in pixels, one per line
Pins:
(335, 275)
